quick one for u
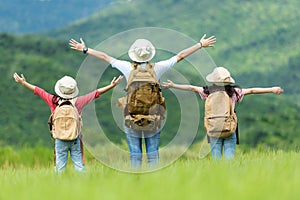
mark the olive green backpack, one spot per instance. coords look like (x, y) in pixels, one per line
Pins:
(144, 106)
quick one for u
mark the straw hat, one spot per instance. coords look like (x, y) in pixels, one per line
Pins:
(66, 87)
(220, 75)
(141, 50)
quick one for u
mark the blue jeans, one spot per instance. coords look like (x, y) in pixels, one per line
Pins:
(217, 144)
(62, 149)
(135, 140)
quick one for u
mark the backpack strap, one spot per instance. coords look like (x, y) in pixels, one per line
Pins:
(82, 150)
(237, 124)
(136, 67)
(67, 101)
(54, 152)
(149, 66)
(237, 133)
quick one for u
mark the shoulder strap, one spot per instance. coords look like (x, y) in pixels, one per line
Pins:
(149, 66)
(135, 65)
(137, 68)
(67, 101)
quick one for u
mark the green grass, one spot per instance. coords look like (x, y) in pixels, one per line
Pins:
(253, 175)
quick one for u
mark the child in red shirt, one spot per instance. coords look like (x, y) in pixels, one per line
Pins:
(66, 89)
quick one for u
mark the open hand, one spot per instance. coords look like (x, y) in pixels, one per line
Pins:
(19, 79)
(168, 84)
(77, 45)
(116, 81)
(209, 42)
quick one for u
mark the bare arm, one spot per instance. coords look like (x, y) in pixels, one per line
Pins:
(275, 90)
(21, 79)
(113, 83)
(170, 84)
(79, 46)
(209, 42)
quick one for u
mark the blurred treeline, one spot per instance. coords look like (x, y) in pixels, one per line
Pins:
(257, 41)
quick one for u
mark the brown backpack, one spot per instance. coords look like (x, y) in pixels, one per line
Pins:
(144, 106)
(220, 120)
(65, 122)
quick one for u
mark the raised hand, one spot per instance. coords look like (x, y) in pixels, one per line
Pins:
(168, 84)
(209, 42)
(19, 79)
(116, 81)
(77, 45)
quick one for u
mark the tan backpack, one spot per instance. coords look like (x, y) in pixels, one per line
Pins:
(65, 122)
(144, 106)
(220, 120)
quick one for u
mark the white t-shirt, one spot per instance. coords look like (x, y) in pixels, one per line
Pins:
(159, 67)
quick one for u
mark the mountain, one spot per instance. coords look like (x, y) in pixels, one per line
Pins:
(257, 42)
(256, 36)
(32, 16)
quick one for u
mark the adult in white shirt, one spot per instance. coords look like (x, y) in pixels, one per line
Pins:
(142, 51)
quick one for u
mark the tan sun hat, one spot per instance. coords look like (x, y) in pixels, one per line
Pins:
(220, 75)
(141, 50)
(66, 87)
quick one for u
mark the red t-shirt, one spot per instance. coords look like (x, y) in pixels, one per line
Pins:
(80, 102)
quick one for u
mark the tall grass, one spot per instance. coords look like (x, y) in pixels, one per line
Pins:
(253, 175)
(36, 157)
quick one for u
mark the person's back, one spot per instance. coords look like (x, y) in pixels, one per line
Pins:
(221, 78)
(66, 108)
(145, 105)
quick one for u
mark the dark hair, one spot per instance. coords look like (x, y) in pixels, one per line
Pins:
(55, 99)
(229, 89)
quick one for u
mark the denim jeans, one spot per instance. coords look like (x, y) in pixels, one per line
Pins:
(135, 140)
(217, 144)
(62, 149)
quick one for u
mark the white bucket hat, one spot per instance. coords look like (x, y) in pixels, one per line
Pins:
(66, 87)
(220, 75)
(141, 50)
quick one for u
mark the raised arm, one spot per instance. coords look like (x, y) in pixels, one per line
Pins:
(275, 90)
(113, 83)
(203, 43)
(21, 79)
(170, 84)
(81, 46)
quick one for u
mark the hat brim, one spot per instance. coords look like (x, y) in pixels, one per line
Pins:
(140, 43)
(212, 79)
(65, 96)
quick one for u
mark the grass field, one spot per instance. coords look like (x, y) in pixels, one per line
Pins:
(253, 175)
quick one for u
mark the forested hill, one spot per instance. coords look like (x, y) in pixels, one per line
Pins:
(257, 40)
(252, 35)
(32, 16)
